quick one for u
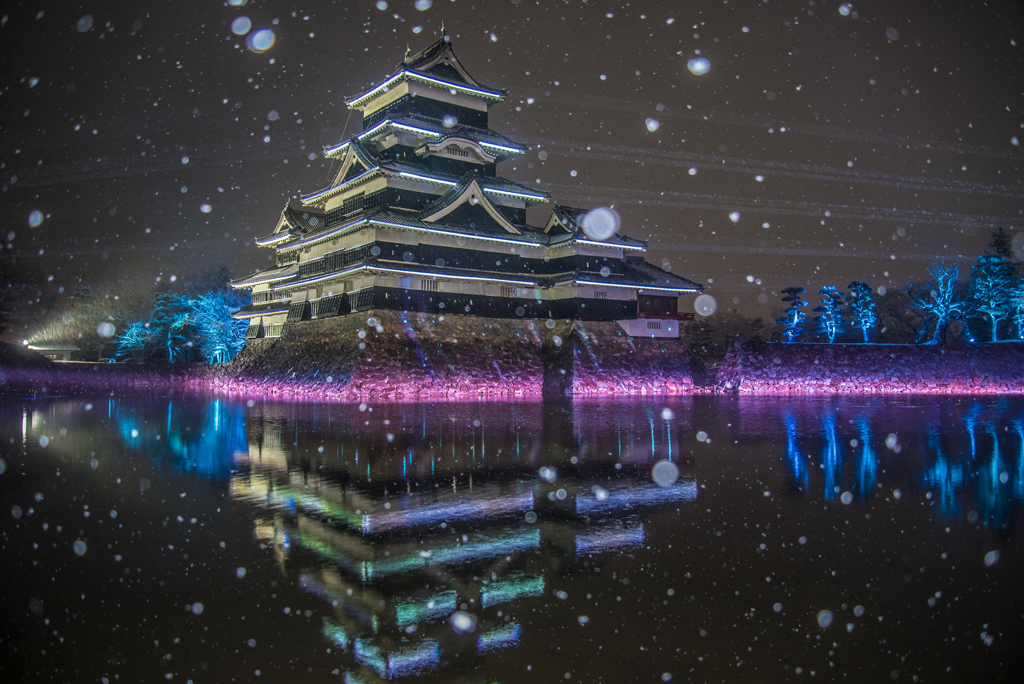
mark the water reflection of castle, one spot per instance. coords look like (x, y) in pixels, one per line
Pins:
(369, 506)
(973, 456)
(399, 530)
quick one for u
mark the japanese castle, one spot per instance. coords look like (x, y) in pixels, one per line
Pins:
(417, 219)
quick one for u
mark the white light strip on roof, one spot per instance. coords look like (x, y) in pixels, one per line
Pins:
(258, 313)
(428, 79)
(515, 194)
(453, 277)
(500, 147)
(327, 235)
(605, 244)
(638, 287)
(428, 179)
(373, 130)
(263, 242)
(431, 79)
(459, 235)
(320, 278)
(317, 195)
(260, 282)
(414, 129)
(336, 148)
(439, 181)
(376, 90)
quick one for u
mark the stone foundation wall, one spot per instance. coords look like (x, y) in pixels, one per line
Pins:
(778, 368)
(418, 355)
(422, 356)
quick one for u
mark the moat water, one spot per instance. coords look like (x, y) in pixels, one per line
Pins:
(210, 539)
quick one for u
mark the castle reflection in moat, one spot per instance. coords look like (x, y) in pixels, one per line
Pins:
(401, 516)
(410, 515)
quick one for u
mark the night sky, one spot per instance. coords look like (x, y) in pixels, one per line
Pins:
(855, 142)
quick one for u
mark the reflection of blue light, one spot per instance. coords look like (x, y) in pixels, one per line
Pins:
(499, 545)
(206, 449)
(499, 637)
(867, 468)
(830, 457)
(1018, 484)
(651, 419)
(993, 493)
(612, 538)
(641, 495)
(415, 659)
(370, 655)
(948, 479)
(335, 634)
(971, 421)
(510, 588)
(415, 612)
(794, 459)
(425, 515)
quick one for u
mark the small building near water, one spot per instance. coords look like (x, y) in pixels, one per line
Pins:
(416, 218)
(57, 351)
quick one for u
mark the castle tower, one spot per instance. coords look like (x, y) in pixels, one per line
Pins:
(418, 219)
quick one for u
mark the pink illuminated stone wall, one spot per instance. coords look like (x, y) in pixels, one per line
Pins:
(409, 356)
(778, 368)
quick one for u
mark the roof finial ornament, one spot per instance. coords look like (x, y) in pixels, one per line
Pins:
(443, 32)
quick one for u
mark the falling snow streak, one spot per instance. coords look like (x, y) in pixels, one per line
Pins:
(713, 162)
(851, 251)
(726, 204)
(216, 154)
(582, 101)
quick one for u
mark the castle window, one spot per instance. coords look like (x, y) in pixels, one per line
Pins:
(654, 325)
(600, 294)
(429, 285)
(509, 292)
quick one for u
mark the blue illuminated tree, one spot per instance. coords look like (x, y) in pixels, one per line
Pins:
(219, 336)
(794, 316)
(172, 323)
(862, 308)
(830, 313)
(939, 298)
(136, 341)
(992, 285)
(1017, 304)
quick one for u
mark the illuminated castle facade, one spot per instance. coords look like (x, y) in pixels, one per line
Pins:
(417, 219)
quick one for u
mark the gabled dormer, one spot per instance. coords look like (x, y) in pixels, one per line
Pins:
(357, 160)
(564, 220)
(439, 60)
(467, 201)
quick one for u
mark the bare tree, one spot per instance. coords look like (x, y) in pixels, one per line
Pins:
(939, 299)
